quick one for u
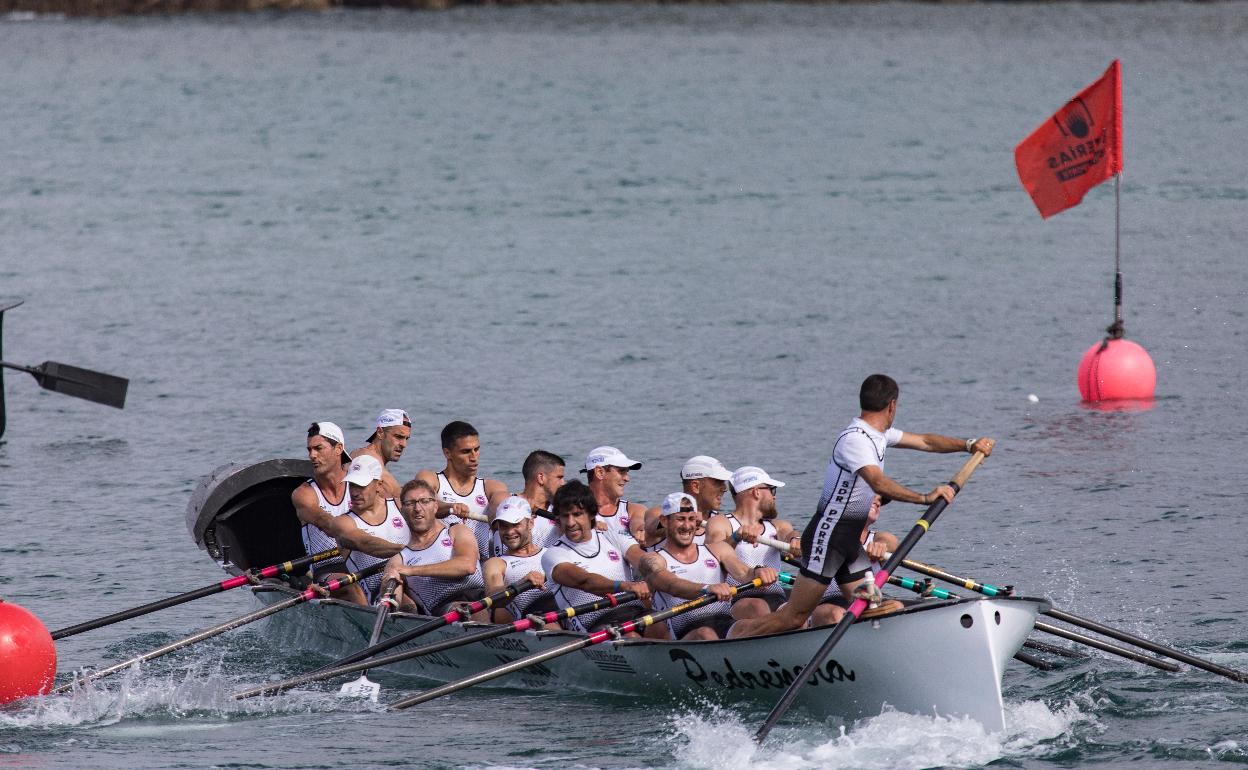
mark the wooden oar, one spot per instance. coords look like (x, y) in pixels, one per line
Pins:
(364, 687)
(305, 596)
(285, 568)
(1114, 649)
(496, 598)
(107, 389)
(597, 637)
(779, 545)
(856, 608)
(523, 624)
(1085, 623)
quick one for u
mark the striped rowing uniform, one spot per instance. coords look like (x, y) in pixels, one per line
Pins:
(394, 529)
(832, 593)
(477, 502)
(757, 555)
(431, 592)
(517, 568)
(831, 549)
(602, 554)
(316, 540)
(705, 569)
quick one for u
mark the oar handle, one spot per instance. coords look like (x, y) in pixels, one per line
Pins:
(771, 542)
(287, 568)
(475, 516)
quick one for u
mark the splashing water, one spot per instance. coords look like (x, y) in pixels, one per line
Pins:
(891, 741)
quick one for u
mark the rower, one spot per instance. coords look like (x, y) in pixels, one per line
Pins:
(543, 474)
(705, 479)
(679, 569)
(387, 443)
(607, 472)
(461, 445)
(831, 549)
(376, 514)
(754, 493)
(521, 557)
(586, 562)
(321, 503)
(438, 567)
(877, 544)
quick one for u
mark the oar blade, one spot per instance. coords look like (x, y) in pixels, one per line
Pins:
(360, 688)
(101, 388)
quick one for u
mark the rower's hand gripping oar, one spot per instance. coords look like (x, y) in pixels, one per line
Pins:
(497, 598)
(524, 624)
(597, 637)
(940, 593)
(364, 687)
(856, 608)
(1085, 623)
(285, 568)
(304, 596)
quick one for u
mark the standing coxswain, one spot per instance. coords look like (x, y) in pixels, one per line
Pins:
(877, 544)
(703, 478)
(386, 445)
(458, 488)
(521, 557)
(831, 546)
(438, 567)
(376, 514)
(679, 569)
(322, 503)
(607, 471)
(754, 493)
(586, 562)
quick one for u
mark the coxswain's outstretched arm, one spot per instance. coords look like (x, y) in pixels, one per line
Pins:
(934, 442)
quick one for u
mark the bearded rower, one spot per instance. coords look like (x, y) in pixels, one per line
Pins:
(457, 487)
(587, 562)
(375, 514)
(386, 445)
(438, 567)
(322, 503)
(521, 557)
(607, 472)
(703, 478)
(679, 569)
(754, 493)
(543, 474)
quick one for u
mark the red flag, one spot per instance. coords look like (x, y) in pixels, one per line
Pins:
(1076, 149)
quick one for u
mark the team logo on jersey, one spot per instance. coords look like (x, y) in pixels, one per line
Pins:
(624, 521)
(447, 541)
(711, 563)
(397, 521)
(481, 500)
(613, 556)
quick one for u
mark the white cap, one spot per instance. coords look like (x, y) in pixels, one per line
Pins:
(749, 476)
(672, 503)
(332, 432)
(703, 467)
(388, 418)
(608, 455)
(513, 510)
(364, 470)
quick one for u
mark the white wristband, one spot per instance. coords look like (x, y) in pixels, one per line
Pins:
(970, 442)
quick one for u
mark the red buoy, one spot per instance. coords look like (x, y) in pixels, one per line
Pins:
(1115, 369)
(27, 654)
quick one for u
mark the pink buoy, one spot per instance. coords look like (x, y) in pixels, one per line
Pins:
(27, 654)
(1116, 369)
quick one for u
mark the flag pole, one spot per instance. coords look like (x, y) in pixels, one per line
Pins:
(1116, 329)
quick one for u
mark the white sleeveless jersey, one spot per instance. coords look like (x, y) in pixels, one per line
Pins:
(517, 568)
(393, 529)
(545, 533)
(704, 569)
(617, 523)
(431, 592)
(602, 554)
(315, 539)
(477, 502)
(757, 555)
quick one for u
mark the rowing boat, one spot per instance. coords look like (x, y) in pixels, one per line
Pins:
(942, 657)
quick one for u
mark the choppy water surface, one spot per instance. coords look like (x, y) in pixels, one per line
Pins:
(679, 230)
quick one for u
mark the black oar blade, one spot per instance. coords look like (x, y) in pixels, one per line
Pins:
(75, 381)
